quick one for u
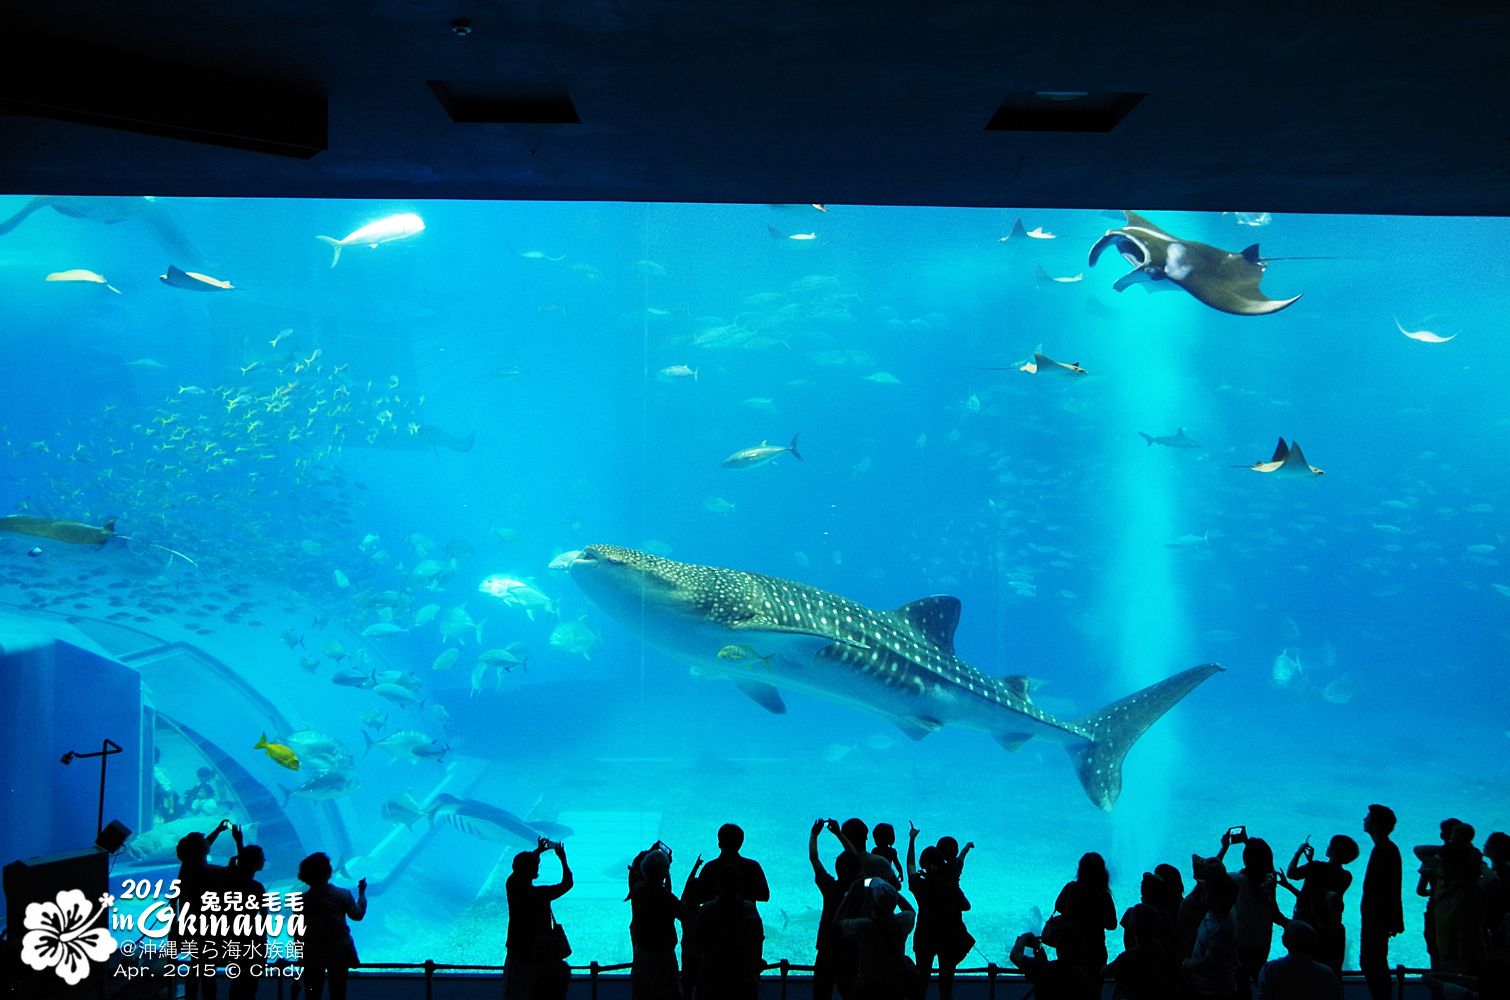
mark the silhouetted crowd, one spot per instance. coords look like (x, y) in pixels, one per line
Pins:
(1208, 941)
(225, 915)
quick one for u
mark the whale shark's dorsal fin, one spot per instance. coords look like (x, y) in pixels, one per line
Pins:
(936, 617)
(763, 695)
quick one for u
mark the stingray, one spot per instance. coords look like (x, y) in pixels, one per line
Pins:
(1045, 276)
(1288, 460)
(1224, 281)
(144, 212)
(437, 438)
(73, 532)
(1175, 440)
(1424, 336)
(1040, 365)
(194, 281)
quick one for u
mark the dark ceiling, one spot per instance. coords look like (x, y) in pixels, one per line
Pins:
(1307, 107)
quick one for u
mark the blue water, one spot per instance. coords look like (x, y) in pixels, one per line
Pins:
(1033, 500)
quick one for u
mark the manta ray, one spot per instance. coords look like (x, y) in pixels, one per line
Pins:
(75, 532)
(1288, 460)
(899, 665)
(1224, 281)
(144, 212)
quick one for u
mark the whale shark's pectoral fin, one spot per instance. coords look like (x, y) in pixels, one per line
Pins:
(763, 695)
(918, 726)
(936, 617)
(1012, 741)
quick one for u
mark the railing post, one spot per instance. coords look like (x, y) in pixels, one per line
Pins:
(429, 978)
(786, 967)
(1400, 982)
(592, 973)
(991, 971)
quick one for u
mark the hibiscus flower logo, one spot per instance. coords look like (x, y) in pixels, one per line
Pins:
(62, 935)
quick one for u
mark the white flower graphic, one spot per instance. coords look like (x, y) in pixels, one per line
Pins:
(61, 935)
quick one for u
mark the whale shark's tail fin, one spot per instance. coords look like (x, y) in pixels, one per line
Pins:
(1115, 728)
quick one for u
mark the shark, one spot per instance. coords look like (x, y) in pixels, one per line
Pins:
(899, 664)
(1176, 440)
(143, 212)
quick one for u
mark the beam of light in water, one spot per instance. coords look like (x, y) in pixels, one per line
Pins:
(1145, 605)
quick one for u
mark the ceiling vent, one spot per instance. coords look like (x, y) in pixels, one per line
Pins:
(505, 103)
(1061, 111)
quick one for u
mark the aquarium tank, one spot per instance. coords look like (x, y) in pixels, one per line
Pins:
(424, 529)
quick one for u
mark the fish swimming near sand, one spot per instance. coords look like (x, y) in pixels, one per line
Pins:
(1224, 281)
(395, 227)
(899, 665)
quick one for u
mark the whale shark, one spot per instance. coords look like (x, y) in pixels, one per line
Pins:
(899, 664)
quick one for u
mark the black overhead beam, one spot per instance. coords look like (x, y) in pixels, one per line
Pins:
(90, 85)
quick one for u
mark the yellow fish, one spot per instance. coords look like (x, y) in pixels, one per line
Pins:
(744, 654)
(79, 274)
(279, 753)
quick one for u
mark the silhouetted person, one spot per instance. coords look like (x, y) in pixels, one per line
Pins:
(1426, 882)
(1192, 910)
(951, 859)
(250, 948)
(752, 883)
(329, 952)
(1212, 970)
(1459, 907)
(1322, 881)
(652, 930)
(852, 833)
(1087, 902)
(879, 929)
(838, 958)
(1254, 911)
(1141, 972)
(729, 940)
(1164, 888)
(530, 971)
(1492, 984)
(1497, 893)
(1381, 910)
(1298, 976)
(1061, 978)
(941, 929)
(196, 876)
(885, 837)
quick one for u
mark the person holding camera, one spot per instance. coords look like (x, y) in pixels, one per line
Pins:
(837, 960)
(534, 967)
(941, 931)
(879, 927)
(1256, 907)
(727, 942)
(652, 929)
(1320, 903)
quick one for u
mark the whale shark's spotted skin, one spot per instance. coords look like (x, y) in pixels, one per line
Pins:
(897, 664)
